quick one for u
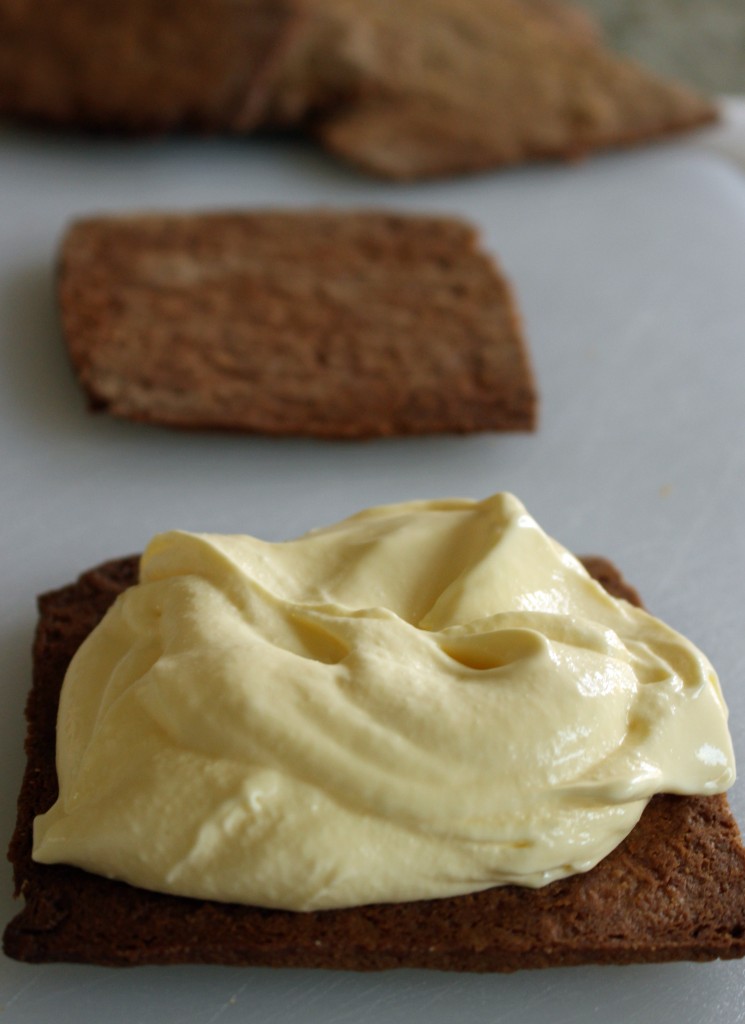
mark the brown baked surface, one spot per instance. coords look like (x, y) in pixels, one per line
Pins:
(328, 324)
(434, 88)
(142, 65)
(674, 890)
(405, 90)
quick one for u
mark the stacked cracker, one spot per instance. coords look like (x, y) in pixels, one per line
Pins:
(421, 89)
(442, 87)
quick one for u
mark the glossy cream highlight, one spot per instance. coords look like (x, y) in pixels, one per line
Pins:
(424, 700)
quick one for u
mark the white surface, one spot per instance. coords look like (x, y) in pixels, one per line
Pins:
(727, 137)
(630, 271)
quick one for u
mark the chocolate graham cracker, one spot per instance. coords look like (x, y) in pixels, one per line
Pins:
(422, 89)
(327, 324)
(673, 890)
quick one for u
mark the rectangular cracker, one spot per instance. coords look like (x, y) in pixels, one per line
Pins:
(673, 890)
(317, 323)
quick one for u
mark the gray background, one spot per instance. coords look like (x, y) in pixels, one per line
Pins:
(701, 41)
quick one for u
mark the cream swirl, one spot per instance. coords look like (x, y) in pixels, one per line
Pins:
(423, 700)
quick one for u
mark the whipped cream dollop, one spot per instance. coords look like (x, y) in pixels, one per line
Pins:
(424, 700)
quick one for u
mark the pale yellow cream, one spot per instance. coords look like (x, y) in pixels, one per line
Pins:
(423, 700)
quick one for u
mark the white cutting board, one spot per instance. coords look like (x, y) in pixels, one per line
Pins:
(630, 270)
